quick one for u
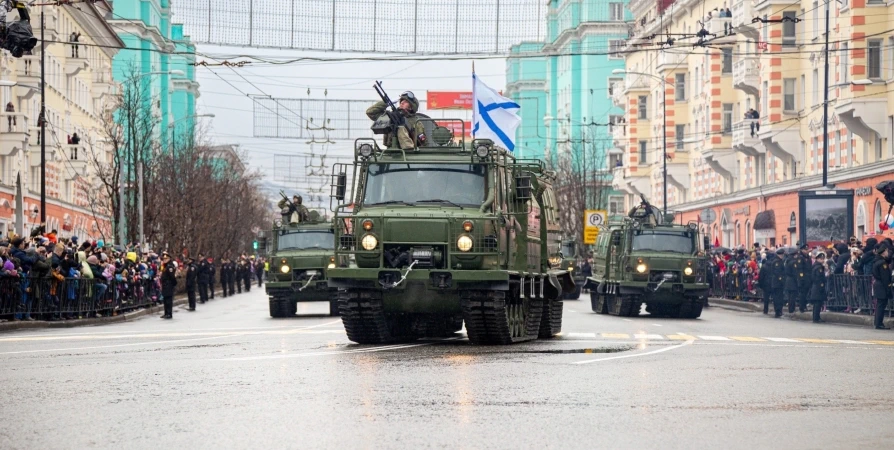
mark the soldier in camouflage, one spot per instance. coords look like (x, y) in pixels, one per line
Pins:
(297, 211)
(410, 136)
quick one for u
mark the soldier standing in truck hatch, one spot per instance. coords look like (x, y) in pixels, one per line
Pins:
(297, 211)
(413, 133)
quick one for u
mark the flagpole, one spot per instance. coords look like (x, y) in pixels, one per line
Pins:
(474, 116)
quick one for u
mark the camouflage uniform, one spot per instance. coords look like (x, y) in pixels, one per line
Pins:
(298, 211)
(405, 137)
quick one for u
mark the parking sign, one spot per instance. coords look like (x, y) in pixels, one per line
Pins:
(593, 218)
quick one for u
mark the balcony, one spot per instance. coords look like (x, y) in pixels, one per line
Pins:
(721, 29)
(670, 59)
(632, 184)
(863, 116)
(13, 133)
(782, 140)
(723, 161)
(743, 14)
(746, 76)
(619, 97)
(619, 133)
(74, 160)
(636, 82)
(73, 66)
(744, 142)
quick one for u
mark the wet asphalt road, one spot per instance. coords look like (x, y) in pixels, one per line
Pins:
(228, 376)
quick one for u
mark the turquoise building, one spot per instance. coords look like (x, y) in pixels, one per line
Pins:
(153, 45)
(563, 84)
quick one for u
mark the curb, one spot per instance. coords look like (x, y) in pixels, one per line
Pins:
(830, 317)
(126, 317)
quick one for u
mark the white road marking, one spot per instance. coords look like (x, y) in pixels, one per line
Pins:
(581, 335)
(635, 355)
(627, 320)
(118, 345)
(845, 341)
(780, 339)
(647, 336)
(714, 338)
(571, 310)
(656, 325)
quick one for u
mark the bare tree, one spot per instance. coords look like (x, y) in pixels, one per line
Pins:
(584, 182)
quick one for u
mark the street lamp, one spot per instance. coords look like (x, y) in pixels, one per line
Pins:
(664, 125)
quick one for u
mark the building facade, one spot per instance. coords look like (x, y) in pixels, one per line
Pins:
(159, 57)
(749, 170)
(79, 92)
(565, 84)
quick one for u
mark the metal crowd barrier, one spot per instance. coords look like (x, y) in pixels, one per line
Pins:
(846, 293)
(52, 299)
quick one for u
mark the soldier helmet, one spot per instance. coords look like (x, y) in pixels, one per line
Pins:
(804, 247)
(411, 99)
(780, 251)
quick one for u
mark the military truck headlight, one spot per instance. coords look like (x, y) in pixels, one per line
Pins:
(482, 150)
(467, 226)
(369, 242)
(571, 269)
(366, 150)
(464, 243)
(331, 266)
(367, 225)
(641, 268)
(284, 269)
(687, 271)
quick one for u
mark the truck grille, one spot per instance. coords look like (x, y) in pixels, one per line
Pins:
(656, 276)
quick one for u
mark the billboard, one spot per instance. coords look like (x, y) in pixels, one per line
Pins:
(448, 100)
(827, 216)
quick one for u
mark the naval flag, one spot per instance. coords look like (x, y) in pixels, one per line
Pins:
(494, 117)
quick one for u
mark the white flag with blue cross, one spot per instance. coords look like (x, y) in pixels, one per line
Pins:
(494, 117)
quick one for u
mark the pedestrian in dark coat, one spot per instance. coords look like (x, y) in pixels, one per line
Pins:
(211, 272)
(791, 282)
(224, 276)
(765, 281)
(818, 291)
(168, 284)
(881, 285)
(191, 280)
(777, 285)
(802, 269)
(231, 277)
(864, 265)
(239, 270)
(246, 275)
(204, 277)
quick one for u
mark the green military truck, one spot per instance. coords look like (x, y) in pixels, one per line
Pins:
(300, 257)
(444, 234)
(570, 259)
(646, 258)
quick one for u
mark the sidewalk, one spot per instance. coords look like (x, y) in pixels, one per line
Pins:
(830, 317)
(132, 315)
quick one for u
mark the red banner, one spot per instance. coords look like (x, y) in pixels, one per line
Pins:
(448, 100)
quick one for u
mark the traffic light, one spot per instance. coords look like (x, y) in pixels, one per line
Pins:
(254, 245)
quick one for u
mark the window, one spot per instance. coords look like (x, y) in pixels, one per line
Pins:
(616, 205)
(616, 11)
(788, 28)
(642, 153)
(727, 67)
(874, 58)
(727, 117)
(816, 86)
(680, 87)
(611, 85)
(615, 47)
(680, 134)
(788, 94)
(803, 92)
(766, 30)
(816, 19)
(764, 99)
(643, 105)
(695, 86)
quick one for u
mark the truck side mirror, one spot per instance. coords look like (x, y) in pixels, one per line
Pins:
(341, 185)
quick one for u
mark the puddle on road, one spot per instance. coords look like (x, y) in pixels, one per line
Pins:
(562, 351)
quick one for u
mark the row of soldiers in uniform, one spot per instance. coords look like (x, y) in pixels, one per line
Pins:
(234, 275)
(793, 278)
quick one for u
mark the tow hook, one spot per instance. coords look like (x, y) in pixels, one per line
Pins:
(666, 277)
(308, 283)
(402, 278)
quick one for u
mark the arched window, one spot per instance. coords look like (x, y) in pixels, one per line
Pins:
(748, 238)
(861, 220)
(877, 217)
(738, 237)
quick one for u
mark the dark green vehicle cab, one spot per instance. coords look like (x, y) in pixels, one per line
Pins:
(300, 257)
(646, 258)
(442, 234)
(571, 258)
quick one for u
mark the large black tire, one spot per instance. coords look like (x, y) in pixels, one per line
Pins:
(280, 308)
(551, 320)
(691, 309)
(501, 317)
(366, 322)
(333, 305)
(438, 326)
(598, 303)
(663, 309)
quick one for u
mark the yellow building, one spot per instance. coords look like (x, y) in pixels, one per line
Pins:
(777, 68)
(79, 91)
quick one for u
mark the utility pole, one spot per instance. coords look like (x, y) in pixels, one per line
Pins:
(43, 123)
(826, 104)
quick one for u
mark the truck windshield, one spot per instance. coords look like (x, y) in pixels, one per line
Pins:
(568, 249)
(298, 240)
(664, 242)
(459, 184)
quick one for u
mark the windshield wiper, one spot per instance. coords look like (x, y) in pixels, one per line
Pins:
(438, 200)
(392, 202)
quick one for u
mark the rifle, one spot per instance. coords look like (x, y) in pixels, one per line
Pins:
(286, 198)
(394, 115)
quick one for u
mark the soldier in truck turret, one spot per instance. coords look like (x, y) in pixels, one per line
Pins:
(414, 132)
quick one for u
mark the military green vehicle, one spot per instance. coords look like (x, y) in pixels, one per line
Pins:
(571, 259)
(300, 256)
(442, 234)
(646, 258)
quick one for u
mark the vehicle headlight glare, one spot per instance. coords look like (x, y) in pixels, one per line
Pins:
(464, 243)
(641, 268)
(369, 242)
(331, 266)
(284, 269)
(366, 150)
(571, 269)
(687, 271)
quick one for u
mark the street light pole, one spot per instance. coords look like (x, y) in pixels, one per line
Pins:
(664, 135)
(826, 104)
(43, 123)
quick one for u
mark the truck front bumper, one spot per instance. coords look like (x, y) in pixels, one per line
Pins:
(435, 279)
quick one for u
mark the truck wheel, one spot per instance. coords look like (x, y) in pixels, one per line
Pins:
(501, 317)
(280, 308)
(366, 322)
(333, 305)
(598, 303)
(691, 309)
